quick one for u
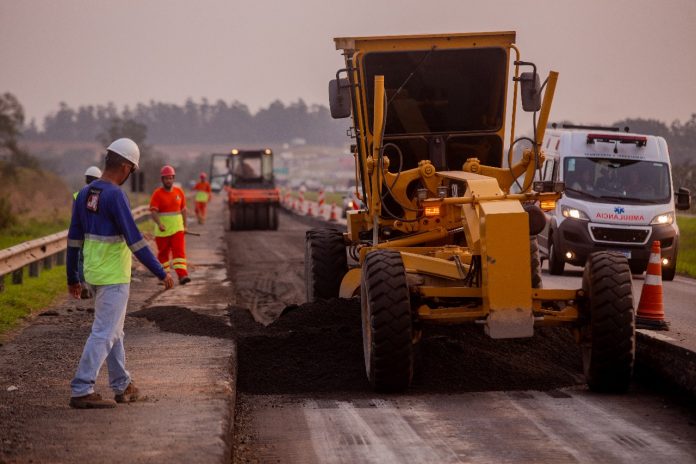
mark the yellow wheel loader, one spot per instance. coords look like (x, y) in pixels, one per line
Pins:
(448, 232)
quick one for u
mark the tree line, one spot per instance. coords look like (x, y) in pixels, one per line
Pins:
(196, 122)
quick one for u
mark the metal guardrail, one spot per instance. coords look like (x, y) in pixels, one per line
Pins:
(41, 251)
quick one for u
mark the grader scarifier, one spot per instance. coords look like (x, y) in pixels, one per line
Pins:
(444, 238)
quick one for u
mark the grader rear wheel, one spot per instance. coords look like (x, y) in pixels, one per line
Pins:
(608, 336)
(386, 322)
(325, 263)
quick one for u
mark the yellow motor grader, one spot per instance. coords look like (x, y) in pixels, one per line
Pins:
(448, 233)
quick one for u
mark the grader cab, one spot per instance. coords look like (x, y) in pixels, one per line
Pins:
(448, 233)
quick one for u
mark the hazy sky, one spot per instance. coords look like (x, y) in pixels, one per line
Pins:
(616, 58)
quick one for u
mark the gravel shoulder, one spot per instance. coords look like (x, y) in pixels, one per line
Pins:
(185, 374)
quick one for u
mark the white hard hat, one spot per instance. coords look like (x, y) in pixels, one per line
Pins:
(126, 148)
(93, 171)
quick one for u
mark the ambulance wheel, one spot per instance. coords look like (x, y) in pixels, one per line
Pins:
(325, 263)
(386, 322)
(668, 273)
(536, 262)
(607, 336)
(556, 263)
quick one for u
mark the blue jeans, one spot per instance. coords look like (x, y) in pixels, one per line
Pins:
(105, 342)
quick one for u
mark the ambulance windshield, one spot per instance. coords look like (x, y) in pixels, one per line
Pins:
(610, 180)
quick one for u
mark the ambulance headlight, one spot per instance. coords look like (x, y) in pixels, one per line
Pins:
(665, 218)
(574, 213)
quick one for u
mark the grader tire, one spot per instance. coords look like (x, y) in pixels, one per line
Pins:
(608, 336)
(386, 322)
(325, 263)
(536, 262)
(556, 263)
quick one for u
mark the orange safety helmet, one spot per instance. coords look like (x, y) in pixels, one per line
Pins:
(167, 170)
(203, 175)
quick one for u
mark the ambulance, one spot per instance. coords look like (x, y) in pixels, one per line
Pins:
(618, 196)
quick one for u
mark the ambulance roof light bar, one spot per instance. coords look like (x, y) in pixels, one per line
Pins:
(638, 140)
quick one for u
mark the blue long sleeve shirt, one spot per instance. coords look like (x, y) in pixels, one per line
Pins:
(102, 225)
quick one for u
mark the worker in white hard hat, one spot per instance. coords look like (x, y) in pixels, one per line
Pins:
(91, 174)
(103, 226)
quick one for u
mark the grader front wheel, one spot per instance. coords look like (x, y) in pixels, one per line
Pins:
(386, 322)
(608, 335)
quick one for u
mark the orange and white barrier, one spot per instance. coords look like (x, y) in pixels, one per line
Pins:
(321, 203)
(333, 217)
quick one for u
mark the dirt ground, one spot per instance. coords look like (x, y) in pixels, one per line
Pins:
(185, 372)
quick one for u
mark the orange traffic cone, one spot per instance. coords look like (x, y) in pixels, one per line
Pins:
(651, 311)
(333, 217)
(309, 209)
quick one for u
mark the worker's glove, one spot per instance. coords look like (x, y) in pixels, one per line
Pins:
(161, 227)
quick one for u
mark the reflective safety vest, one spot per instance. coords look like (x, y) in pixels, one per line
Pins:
(172, 222)
(202, 197)
(107, 259)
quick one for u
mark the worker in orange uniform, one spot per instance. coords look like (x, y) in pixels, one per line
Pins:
(203, 191)
(168, 208)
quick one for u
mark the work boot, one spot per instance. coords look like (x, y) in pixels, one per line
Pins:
(184, 280)
(129, 395)
(91, 401)
(86, 293)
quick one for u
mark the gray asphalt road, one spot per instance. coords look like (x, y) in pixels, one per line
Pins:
(562, 425)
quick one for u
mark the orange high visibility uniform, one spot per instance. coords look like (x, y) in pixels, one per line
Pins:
(203, 192)
(170, 206)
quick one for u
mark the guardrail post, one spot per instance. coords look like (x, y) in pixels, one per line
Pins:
(18, 276)
(2, 283)
(34, 269)
(60, 258)
(48, 262)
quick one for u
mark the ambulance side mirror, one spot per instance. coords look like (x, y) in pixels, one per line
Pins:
(683, 199)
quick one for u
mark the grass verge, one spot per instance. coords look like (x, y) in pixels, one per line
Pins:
(686, 261)
(35, 294)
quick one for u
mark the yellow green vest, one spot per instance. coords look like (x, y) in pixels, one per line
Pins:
(172, 222)
(107, 260)
(201, 196)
